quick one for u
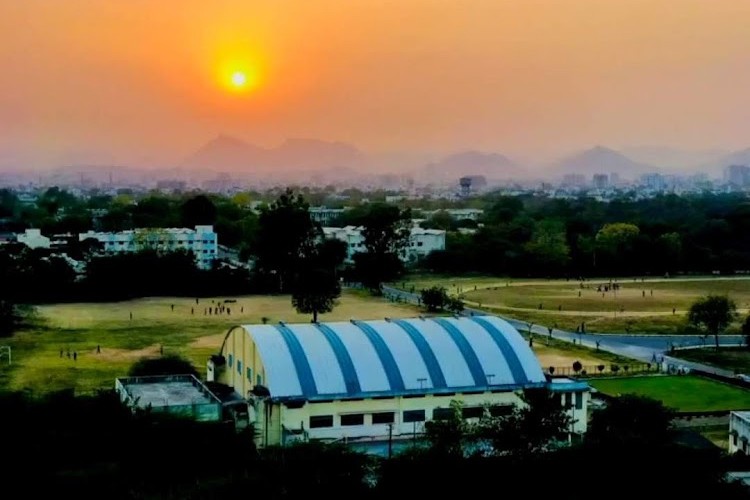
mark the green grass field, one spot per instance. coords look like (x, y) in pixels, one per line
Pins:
(37, 364)
(729, 358)
(648, 306)
(683, 393)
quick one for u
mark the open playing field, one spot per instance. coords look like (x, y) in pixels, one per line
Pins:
(80, 328)
(638, 306)
(683, 393)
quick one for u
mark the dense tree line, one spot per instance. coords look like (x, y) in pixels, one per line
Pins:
(529, 235)
(94, 447)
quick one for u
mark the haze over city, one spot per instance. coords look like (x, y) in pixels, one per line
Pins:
(147, 84)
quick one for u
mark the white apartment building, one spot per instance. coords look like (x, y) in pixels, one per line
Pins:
(421, 241)
(33, 238)
(739, 432)
(202, 241)
(459, 213)
(325, 215)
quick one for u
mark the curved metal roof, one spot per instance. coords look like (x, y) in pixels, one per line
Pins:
(344, 360)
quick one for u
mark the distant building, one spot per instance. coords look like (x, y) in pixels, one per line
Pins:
(421, 241)
(459, 213)
(573, 180)
(33, 238)
(600, 181)
(739, 432)
(202, 241)
(325, 215)
(654, 182)
(737, 175)
(471, 184)
(171, 185)
(614, 179)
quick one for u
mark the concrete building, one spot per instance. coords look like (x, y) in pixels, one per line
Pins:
(421, 241)
(202, 241)
(739, 432)
(458, 213)
(600, 181)
(33, 238)
(737, 175)
(370, 381)
(325, 215)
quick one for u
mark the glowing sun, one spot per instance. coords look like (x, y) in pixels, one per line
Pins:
(239, 79)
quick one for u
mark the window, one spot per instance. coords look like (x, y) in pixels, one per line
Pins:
(472, 412)
(239, 367)
(231, 360)
(321, 421)
(419, 243)
(567, 400)
(413, 416)
(579, 400)
(258, 380)
(501, 410)
(385, 417)
(353, 419)
(250, 374)
(441, 414)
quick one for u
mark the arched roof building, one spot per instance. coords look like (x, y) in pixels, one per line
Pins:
(365, 368)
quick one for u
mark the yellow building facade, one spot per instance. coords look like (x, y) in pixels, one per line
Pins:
(371, 381)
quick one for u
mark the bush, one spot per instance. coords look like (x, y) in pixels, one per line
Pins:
(577, 366)
(167, 365)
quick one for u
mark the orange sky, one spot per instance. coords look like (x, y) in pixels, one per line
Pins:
(136, 81)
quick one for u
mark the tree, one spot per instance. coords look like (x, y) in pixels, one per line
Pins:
(198, 211)
(434, 298)
(447, 436)
(454, 305)
(548, 246)
(11, 318)
(386, 234)
(577, 366)
(166, 365)
(286, 237)
(712, 313)
(315, 291)
(533, 426)
(632, 419)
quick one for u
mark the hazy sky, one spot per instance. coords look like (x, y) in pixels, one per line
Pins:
(144, 81)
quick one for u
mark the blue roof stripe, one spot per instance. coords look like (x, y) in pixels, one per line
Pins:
(301, 364)
(475, 367)
(430, 361)
(386, 356)
(342, 356)
(516, 368)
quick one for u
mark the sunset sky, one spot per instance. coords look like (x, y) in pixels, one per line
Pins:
(146, 82)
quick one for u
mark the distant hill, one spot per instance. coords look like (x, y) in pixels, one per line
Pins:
(493, 166)
(601, 160)
(671, 158)
(228, 153)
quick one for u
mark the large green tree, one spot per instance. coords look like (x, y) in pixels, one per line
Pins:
(713, 313)
(198, 210)
(286, 237)
(315, 291)
(632, 419)
(548, 246)
(385, 229)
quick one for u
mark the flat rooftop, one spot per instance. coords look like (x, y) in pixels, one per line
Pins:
(167, 391)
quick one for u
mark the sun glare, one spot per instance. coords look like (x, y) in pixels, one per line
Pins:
(239, 79)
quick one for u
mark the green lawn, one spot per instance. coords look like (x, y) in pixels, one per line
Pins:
(683, 393)
(80, 328)
(730, 358)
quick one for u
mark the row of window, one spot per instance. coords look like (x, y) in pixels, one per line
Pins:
(567, 400)
(248, 371)
(408, 416)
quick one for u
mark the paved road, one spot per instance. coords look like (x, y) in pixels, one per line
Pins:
(641, 347)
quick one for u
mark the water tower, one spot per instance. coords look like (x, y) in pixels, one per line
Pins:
(465, 183)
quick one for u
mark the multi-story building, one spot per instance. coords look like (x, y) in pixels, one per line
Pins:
(739, 432)
(574, 180)
(600, 181)
(371, 382)
(654, 182)
(202, 241)
(421, 241)
(459, 213)
(325, 215)
(33, 238)
(737, 175)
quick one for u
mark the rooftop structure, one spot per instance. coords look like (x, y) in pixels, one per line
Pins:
(175, 394)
